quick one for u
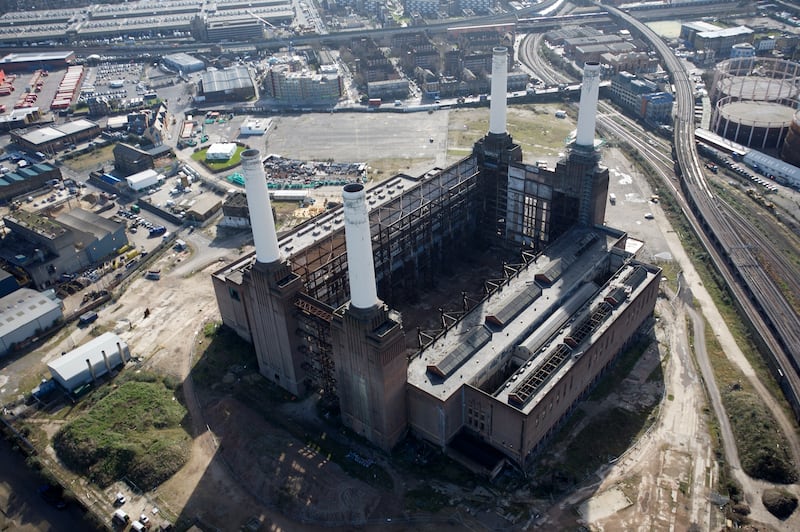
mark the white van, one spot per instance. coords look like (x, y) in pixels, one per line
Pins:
(138, 527)
(120, 517)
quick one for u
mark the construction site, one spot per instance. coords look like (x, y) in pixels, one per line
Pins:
(472, 306)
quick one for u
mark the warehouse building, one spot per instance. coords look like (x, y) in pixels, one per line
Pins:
(28, 62)
(24, 314)
(47, 248)
(24, 180)
(8, 283)
(232, 84)
(323, 305)
(51, 139)
(84, 365)
(183, 63)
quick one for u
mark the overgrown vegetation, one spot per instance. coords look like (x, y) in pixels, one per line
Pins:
(763, 448)
(134, 430)
(535, 129)
(779, 502)
(611, 432)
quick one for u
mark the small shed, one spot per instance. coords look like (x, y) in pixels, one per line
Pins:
(90, 361)
(254, 127)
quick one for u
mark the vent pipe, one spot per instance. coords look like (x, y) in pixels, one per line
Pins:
(360, 263)
(261, 221)
(91, 370)
(105, 359)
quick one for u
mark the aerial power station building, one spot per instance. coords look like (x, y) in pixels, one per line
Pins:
(329, 306)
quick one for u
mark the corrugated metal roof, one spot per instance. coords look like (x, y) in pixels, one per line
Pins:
(73, 363)
(22, 307)
(227, 80)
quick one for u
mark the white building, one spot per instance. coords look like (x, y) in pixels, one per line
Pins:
(144, 179)
(90, 361)
(253, 126)
(221, 151)
(25, 313)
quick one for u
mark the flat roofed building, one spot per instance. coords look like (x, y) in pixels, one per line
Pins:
(183, 62)
(25, 313)
(20, 62)
(49, 139)
(145, 178)
(87, 363)
(105, 236)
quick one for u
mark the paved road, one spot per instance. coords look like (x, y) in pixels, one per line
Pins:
(21, 509)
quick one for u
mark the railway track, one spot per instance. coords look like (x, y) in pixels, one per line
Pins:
(770, 316)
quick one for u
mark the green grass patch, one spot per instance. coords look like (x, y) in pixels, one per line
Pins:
(92, 160)
(219, 166)
(134, 431)
(382, 169)
(534, 128)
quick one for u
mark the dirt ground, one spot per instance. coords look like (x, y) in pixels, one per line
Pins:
(240, 465)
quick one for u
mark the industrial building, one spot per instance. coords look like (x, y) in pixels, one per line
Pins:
(25, 313)
(231, 84)
(221, 151)
(144, 179)
(51, 139)
(87, 363)
(254, 126)
(145, 20)
(183, 63)
(47, 248)
(25, 62)
(327, 306)
(24, 180)
(8, 283)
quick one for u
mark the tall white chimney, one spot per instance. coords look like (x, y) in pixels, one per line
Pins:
(255, 182)
(360, 264)
(587, 114)
(497, 106)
